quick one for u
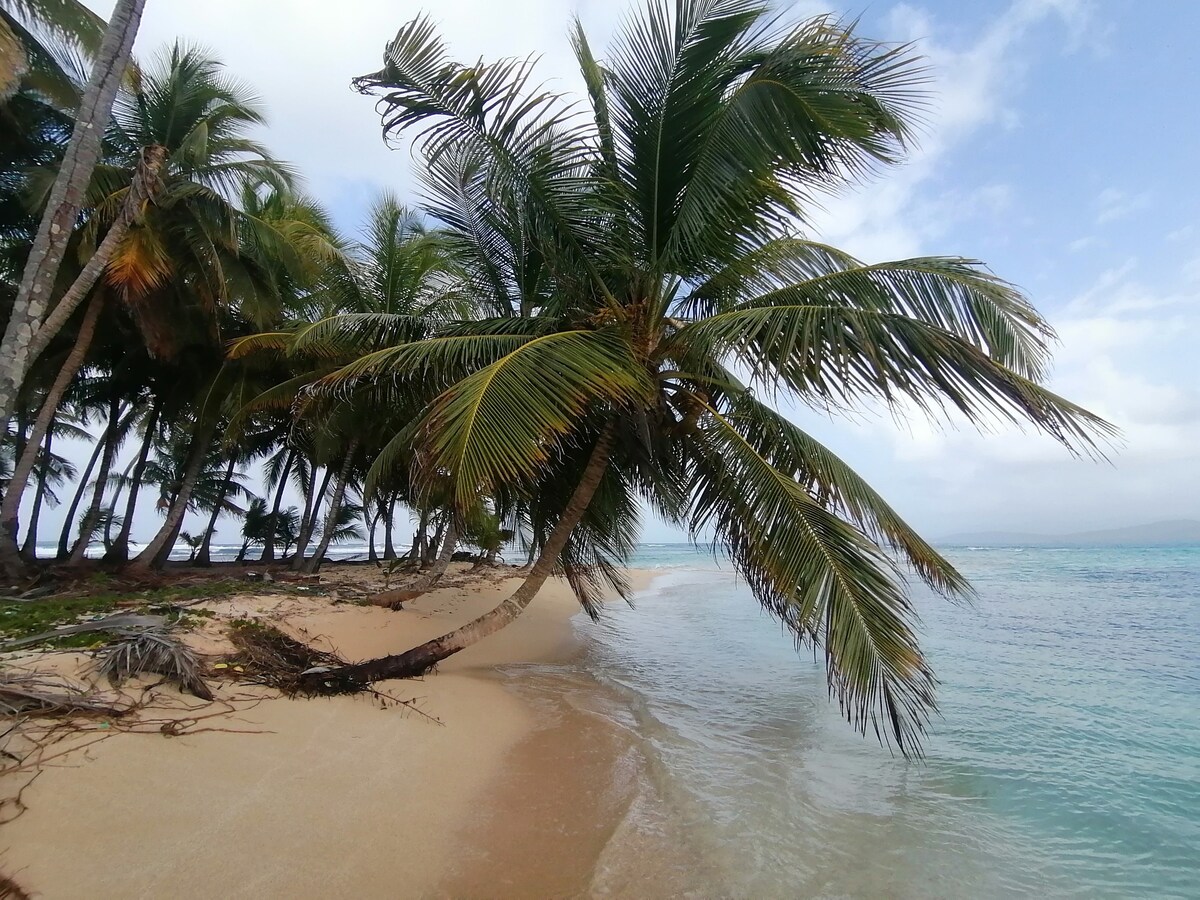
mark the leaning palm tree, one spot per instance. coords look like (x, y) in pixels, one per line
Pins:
(652, 283)
(31, 323)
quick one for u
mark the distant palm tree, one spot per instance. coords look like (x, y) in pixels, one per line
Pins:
(651, 285)
(180, 260)
(396, 283)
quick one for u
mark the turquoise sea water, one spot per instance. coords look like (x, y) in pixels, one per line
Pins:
(1065, 763)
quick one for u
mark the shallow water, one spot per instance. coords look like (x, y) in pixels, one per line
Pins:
(1066, 762)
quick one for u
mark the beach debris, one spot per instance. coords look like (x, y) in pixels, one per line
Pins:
(39, 694)
(267, 656)
(270, 657)
(10, 890)
(152, 651)
(103, 623)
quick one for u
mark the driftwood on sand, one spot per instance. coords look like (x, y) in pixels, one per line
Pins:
(32, 693)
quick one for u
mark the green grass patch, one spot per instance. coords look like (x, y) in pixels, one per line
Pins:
(20, 619)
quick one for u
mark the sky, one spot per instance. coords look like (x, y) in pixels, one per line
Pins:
(1059, 149)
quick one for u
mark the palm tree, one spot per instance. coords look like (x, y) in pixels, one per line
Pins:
(256, 524)
(398, 282)
(179, 135)
(651, 281)
(28, 330)
(35, 38)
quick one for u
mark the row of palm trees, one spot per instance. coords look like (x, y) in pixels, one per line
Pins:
(583, 321)
(227, 246)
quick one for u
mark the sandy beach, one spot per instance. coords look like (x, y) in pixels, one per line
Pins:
(514, 793)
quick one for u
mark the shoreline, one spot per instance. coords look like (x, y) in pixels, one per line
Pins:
(334, 795)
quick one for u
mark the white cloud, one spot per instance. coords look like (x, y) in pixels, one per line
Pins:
(1123, 360)
(1112, 204)
(974, 87)
(300, 56)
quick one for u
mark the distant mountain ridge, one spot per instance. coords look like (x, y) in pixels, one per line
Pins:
(1173, 531)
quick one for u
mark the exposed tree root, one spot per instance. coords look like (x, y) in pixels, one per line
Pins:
(269, 657)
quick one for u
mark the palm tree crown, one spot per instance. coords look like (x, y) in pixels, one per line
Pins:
(649, 280)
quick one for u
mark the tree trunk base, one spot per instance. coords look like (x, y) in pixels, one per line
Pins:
(395, 599)
(413, 663)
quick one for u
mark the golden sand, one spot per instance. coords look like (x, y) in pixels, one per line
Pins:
(511, 795)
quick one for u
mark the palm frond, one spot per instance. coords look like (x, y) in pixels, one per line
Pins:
(503, 423)
(838, 355)
(824, 580)
(796, 454)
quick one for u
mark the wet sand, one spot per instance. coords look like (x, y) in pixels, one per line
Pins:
(515, 793)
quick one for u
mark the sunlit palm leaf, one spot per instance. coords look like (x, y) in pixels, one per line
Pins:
(505, 422)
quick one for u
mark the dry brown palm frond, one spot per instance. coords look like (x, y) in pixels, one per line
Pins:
(34, 694)
(152, 651)
(10, 890)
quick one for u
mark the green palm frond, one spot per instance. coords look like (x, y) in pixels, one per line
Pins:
(826, 581)
(357, 333)
(838, 355)
(954, 294)
(273, 341)
(439, 357)
(724, 115)
(795, 453)
(503, 423)
(496, 106)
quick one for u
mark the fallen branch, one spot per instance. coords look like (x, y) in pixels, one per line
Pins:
(31, 694)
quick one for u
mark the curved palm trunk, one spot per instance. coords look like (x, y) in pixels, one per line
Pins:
(442, 563)
(420, 538)
(11, 506)
(420, 660)
(29, 548)
(372, 522)
(66, 199)
(313, 563)
(111, 512)
(92, 516)
(159, 549)
(141, 191)
(389, 548)
(432, 548)
(204, 556)
(119, 551)
(268, 553)
(307, 526)
(64, 537)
